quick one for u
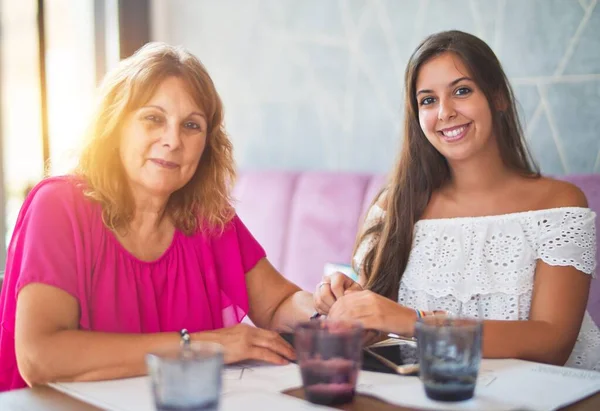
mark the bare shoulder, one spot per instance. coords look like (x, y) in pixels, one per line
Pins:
(382, 199)
(376, 211)
(559, 193)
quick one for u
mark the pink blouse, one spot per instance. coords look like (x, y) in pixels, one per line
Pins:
(60, 240)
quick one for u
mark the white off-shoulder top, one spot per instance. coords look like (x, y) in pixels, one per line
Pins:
(484, 267)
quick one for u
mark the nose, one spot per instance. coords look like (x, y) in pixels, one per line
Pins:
(171, 136)
(446, 110)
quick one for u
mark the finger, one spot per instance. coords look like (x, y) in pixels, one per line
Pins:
(372, 336)
(264, 354)
(339, 284)
(324, 281)
(274, 342)
(322, 308)
(324, 296)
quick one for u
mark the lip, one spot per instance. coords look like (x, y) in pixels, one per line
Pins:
(164, 163)
(457, 137)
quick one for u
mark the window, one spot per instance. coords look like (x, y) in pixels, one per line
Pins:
(81, 39)
(20, 108)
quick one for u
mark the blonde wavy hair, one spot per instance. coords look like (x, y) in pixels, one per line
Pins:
(205, 201)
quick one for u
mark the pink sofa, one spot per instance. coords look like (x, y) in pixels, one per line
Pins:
(305, 220)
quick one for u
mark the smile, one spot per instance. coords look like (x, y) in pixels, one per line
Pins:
(452, 134)
(164, 163)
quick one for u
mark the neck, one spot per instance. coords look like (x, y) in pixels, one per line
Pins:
(479, 174)
(149, 215)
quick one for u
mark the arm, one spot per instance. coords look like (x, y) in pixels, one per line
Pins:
(275, 302)
(49, 346)
(557, 308)
(558, 302)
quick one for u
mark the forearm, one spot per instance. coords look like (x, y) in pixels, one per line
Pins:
(73, 355)
(528, 340)
(297, 307)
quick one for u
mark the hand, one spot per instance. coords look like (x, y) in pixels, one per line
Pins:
(374, 312)
(244, 342)
(331, 288)
(371, 337)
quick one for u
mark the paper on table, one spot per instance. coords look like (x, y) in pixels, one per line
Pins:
(115, 395)
(502, 385)
(266, 378)
(537, 386)
(134, 394)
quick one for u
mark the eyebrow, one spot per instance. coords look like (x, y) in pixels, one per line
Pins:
(452, 84)
(197, 113)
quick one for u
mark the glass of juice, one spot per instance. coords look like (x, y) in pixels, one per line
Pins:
(449, 356)
(329, 354)
(186, 377)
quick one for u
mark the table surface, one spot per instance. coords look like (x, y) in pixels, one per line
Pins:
(49, 399)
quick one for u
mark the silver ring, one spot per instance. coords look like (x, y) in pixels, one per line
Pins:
(321, 284)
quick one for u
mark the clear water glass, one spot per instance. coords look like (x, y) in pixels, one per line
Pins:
(186, 378)
(449, 356)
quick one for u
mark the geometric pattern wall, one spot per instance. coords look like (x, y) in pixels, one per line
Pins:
(316, 84)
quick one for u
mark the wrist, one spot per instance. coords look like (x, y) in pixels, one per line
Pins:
(206, 336)
(406, 322)
(184, 337)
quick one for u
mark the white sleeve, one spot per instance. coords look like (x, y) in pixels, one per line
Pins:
(569, 239)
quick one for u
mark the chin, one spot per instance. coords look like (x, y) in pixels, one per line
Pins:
(458, 151)
(162, 189)
(458, 155)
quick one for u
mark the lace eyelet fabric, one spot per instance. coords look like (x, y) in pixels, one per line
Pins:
(484, 267)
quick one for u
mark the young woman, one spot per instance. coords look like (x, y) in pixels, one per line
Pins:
(468, 225)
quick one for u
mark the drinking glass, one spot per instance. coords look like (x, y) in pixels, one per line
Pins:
(329, 355)
(186, 377)
(449, 356)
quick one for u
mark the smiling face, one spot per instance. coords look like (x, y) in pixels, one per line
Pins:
(161, 142)
(454, 113)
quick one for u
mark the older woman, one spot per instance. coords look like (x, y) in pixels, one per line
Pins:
(141, 243)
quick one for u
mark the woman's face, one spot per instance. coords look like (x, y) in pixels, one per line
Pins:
(161, 143)
(453, 111)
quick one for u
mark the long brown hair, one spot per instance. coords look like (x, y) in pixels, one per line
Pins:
(206, 197)
(421, 169)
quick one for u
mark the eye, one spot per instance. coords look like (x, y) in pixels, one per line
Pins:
(463, 91)
(153, 118)
(427, 101)
(192, 125)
